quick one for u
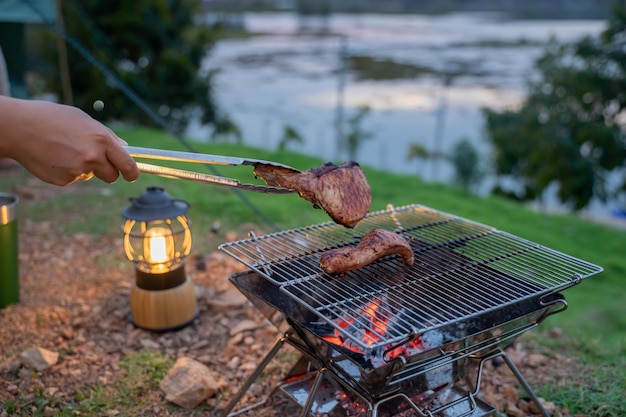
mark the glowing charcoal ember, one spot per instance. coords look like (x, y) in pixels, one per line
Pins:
(375, 323)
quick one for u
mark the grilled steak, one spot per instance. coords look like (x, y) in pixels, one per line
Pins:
(376, 244)
(341, 190)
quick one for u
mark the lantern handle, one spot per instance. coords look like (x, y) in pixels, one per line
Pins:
(199, 158)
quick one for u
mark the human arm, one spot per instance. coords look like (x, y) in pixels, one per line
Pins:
(59, 143)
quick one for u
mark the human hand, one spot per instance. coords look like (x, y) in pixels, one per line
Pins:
(60, 144)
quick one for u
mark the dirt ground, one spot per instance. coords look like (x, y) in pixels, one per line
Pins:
(74, 300)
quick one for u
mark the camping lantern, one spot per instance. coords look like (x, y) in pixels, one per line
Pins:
(157, 239)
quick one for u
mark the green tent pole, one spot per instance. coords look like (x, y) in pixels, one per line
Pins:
(9, 273)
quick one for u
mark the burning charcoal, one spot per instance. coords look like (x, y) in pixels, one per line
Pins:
(431, 339)
(400, 324)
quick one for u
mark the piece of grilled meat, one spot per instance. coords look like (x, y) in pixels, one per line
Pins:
(376, 244)
(341, 190)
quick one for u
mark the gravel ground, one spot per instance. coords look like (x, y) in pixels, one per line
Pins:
(74, 301)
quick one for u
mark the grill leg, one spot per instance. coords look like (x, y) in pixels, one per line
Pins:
(311, 398)
(524, 383)
(257, 372)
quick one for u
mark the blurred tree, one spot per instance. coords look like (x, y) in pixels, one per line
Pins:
(354, 134)
(313, 7)
(467, 166)
(290, 135)
(313, 15)
(418, 152)
(569, 132)
(154, 47)
(225, 129)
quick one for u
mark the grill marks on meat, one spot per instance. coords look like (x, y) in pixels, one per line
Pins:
(377, 243)
(342, 191)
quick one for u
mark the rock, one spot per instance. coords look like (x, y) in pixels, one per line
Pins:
(226, 301)
(149, 344)
(555, 333)
(236, 339)
(38, 359)
(244, 325)
(188, 383)
(510, 393)
(535, 360)
(200, 345)
(67, 333)
(11, 365)
(513, 411)
(234, 362)
(548, 405)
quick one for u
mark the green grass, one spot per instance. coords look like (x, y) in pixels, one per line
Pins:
(594, 323)
(593, 385)
(143, 371)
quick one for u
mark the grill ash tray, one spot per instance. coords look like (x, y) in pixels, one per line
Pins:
(332, 401)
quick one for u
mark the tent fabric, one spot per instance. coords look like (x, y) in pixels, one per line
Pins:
(27, 11)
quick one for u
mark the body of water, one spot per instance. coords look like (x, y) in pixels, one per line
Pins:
(285, 77)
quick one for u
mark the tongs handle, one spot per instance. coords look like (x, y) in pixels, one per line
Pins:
(193, 157)
(168, 155)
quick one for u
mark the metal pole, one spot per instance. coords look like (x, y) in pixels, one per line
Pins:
(64, 69)
(343, 56)
(257, 372)
(439, 127)
(525, 384)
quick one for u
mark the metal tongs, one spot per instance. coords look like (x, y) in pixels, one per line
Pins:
(199, 158)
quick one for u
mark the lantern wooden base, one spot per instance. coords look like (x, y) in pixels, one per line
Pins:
(163, 310)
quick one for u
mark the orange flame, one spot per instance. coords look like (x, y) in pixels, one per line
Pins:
(375, 328)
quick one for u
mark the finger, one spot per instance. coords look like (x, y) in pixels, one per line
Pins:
(120, 140)
(107, 173)
(123, 162)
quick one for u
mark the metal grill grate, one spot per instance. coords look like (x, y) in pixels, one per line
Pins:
(462, 269)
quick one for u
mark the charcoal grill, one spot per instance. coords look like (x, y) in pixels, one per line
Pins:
(394, 338)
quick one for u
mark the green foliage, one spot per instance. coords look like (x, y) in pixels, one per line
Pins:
(568, 132)
(225, 129)
(417, 151)
(355, 135)
(290, 135)
(144, 371)
(466, 161)
(368, 68)
(153, 47)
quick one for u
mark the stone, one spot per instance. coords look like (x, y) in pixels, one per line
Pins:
(226, 301)
(149, 344)
(11, 365)
(244, 325)
(513, 411)
(38, 359)
(535, 360)
(188, 383)
(548, 405)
